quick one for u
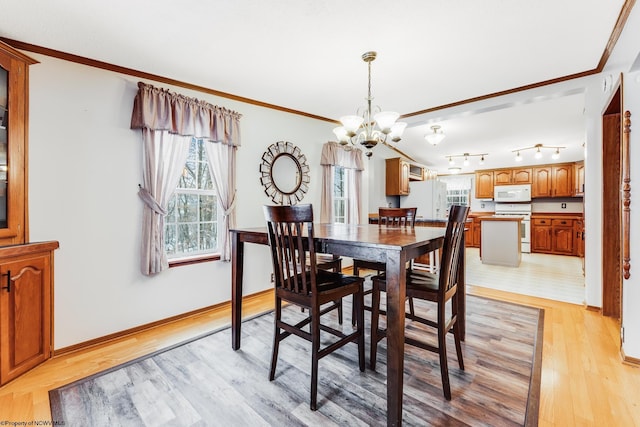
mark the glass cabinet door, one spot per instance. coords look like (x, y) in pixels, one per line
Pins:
(4, 123)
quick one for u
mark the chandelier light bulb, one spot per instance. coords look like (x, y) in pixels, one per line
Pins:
(482, 160)
(451, 162)
(556, 155)
(466, 160)
(538, 154)
(518, 157)
(341, 133)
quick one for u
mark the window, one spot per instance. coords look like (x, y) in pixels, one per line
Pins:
(457, 196)
(191, 224)
(340, 204)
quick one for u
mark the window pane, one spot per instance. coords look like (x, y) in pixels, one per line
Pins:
(187, 237)
(208, 236)
(188, 178)
(187, 207)
(205, 181)
(207, 208)
(170, 239)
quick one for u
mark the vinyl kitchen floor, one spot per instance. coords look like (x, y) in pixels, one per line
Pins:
(555, 277)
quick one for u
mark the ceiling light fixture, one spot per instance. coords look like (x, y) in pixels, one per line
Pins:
(455, 170)
(538, 148)
(466, 158)
(436, 137)
(361, 128)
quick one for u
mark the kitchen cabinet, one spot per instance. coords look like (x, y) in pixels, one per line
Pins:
(541, 235)
(484, 184)
(557, 234)
(14, 124)
(562, 236)
(512, 176)
(553, 181)
(397, 177)
(579, 179)
(474, 232)
(26, 307)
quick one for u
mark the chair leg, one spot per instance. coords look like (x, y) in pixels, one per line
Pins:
(315, 349)
(359, 300)
(356, 272)
(276, 339)
(339, 304)
(442, 351)
(375, 316)
(411, 309)
(456, 332)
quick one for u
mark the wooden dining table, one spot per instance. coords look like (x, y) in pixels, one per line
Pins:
(393, 246)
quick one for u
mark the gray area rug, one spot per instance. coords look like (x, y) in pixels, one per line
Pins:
(204, 382)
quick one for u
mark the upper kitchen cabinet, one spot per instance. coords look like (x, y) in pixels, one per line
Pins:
(398, 174)
(512, 176)
(579, 179)
(553, 181)
(14, 96)
(484, 184)
(397, 177)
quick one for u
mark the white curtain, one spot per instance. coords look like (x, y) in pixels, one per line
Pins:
(222, 163)
(350, 158)
(169, 121)
(164, 155)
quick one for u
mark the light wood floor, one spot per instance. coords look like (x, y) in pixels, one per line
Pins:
(584, 382)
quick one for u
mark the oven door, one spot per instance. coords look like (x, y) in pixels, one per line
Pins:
(525, 234)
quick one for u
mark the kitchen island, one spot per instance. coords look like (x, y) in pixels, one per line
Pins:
(500, 243)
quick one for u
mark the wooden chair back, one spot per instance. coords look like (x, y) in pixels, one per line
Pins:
(292, 251)
(397, 217)
(452, 247)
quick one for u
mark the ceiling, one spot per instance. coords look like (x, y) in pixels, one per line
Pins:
(305, 55)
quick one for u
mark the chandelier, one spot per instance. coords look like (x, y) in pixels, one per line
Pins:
(538, 154)
(369, 128)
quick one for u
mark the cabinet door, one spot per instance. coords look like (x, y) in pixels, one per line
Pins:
(13, 135)
(522, 176)
(501, 177)
(484, 185)
(477, 232)
(579, 179)
(25, 315)
(563, 240)
(541, 238)
(578, 237)
(541, 186)
(562, 181)
(405, 172)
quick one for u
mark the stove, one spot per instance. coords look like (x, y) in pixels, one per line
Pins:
(522, 210)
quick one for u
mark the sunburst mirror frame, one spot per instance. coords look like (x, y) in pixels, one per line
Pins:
(279, 195)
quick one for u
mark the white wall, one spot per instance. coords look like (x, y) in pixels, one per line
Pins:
(85, 166)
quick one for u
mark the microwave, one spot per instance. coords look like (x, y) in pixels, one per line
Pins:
(512, 193)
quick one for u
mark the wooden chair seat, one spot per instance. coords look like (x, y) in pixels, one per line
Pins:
(438, 287)
(298, 280)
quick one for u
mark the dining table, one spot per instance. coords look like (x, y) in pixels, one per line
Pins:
(392, 246)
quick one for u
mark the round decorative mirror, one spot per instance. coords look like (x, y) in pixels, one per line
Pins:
(284, 173)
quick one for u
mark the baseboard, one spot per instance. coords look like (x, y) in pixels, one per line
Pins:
(118, 335)
(630, 360)
(593, 308)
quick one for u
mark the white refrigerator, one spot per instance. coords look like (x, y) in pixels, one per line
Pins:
(430, 197)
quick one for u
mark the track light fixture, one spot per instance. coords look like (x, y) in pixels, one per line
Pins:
(538, 154)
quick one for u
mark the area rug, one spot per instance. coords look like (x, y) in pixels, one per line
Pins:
(203, 382)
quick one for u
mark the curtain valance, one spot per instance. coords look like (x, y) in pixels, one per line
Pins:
(334, 154)
(160, 109)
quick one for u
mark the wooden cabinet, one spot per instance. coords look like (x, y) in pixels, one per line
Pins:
(14, 96)
(553, 181)
(541, 235)
(556, 234)
(562, 236)
(578, 179)
(26, 294)
(397, 177)
(484, 184)
(512, 176)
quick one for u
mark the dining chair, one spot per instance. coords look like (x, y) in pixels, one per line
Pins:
(438, 287)
(387, 217)
(291, 240)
